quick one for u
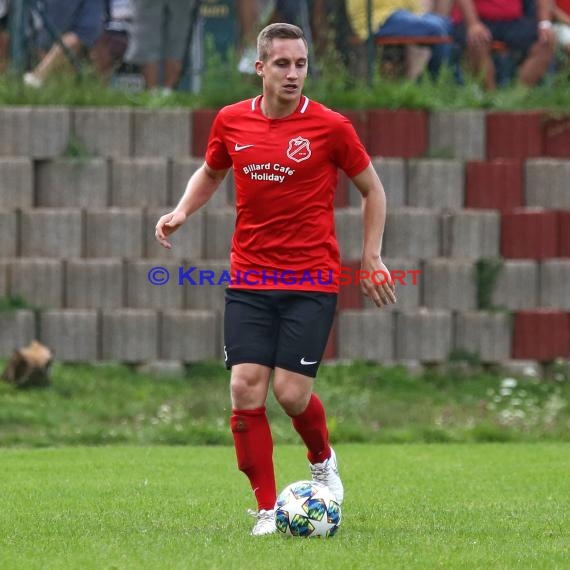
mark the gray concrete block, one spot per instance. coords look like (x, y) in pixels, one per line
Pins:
(348, 223)
(94, 283)
(392, 173)
(488, 335)
(366, 335)
(139, 182)
(516, 286)
(181, 171)
(424, 335)
(220, 226)
(150, 287)
(190, 336)
(8, 234)
(15, 129)
(449, 284)
(72, 183)
(114, 232)
(17, 329)
(546, 183)
(51, 232)
(38, 281)
(457, 134)
(436, 183)
(104, 131)
(72, 334)
(130, 335)
(16, 183)
(205, 295)
(186, 242)
(555, 284)
(161, 132)
(408, 279)
(471, 234)
(50, 131)
(412, 232)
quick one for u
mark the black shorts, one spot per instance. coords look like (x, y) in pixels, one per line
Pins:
(285, 329)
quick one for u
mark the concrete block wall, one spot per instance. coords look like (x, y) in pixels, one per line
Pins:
(77, 235)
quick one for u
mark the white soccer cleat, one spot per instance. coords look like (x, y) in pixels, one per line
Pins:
(265, 522)
(327, 474)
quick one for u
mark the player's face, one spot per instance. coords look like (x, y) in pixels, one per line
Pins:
(285, 70)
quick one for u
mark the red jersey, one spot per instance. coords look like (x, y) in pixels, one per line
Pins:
(564, 5)
(285, 174)
(494, 10)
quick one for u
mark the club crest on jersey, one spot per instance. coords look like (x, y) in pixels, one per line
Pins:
(299, 149)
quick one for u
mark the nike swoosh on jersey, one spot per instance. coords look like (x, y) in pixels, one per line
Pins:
(306, 362)
(239, 147)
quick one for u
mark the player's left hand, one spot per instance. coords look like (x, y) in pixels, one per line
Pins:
(377, 283)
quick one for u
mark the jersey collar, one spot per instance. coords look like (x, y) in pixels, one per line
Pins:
(302, 107)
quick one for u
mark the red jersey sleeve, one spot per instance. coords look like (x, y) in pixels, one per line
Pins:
(217, 156)
(348, 152)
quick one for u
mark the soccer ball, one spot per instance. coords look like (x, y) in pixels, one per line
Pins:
(307, 508)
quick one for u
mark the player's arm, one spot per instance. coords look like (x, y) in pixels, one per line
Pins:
(200, 188)
(379, 287)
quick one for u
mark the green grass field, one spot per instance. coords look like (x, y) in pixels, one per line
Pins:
(422, 506)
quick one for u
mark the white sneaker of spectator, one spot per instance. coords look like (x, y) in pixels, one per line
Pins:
(32, 80)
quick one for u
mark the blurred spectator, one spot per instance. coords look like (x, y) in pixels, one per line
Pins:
(4, 38)
(109, 50)
(562, 24)
(405, 18)
(150, 19)
(530, 33)
(248, 18)
(78, 23)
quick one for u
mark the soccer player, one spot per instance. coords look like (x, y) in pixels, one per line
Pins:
(285, 151)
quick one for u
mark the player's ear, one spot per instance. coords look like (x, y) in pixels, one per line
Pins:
(259, 68)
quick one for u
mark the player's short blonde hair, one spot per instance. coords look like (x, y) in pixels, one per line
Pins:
(279, 30)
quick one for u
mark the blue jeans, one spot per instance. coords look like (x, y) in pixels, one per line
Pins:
(405, 23)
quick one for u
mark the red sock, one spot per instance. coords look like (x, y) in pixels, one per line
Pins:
(254, 451)
(311, 425)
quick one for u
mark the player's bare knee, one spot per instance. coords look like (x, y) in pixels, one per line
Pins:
(246, 391)
(292, 401)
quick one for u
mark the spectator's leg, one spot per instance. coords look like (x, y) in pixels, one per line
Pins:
(4, 50)
(535, 66)
(145, 38)
(481, 64)
(54, 60)
(521, 35)
(108, 52)
(178, 23)
(405, 23)
(479, 58)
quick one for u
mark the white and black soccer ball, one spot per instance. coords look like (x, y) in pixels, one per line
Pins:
(306, 509)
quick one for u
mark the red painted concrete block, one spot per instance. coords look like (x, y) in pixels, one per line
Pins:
(541, 335)
(556, 134)
(401, 133)
(514, 135)
(494, 185)
(331, 350)
(359, 120)
(529, 234)
(202, 120)
(564, 233)
(349, 294)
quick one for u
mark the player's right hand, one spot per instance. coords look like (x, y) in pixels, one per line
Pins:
(168, 224)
